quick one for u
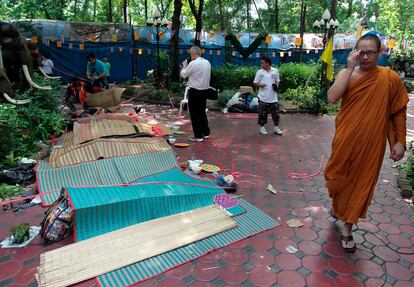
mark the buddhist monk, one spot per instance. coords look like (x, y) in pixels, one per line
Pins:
(373, 107)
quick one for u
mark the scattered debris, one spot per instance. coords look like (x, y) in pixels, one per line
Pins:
(209, 268)
(271, 188)
(294, 223)
(291, 249)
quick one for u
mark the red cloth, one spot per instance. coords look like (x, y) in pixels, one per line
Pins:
(81, 92)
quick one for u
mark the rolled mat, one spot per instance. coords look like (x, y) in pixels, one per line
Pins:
(80, 261)
(252, 222)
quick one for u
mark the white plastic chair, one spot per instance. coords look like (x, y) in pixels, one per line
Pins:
(184, 101)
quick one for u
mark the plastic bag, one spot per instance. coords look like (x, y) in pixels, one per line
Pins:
(20, 174)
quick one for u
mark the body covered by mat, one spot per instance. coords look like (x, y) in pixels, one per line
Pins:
(106, 98)
(113, 171)
(252, 222)
(108, 128)
(105, 148)
(99, 210)
(89, 258)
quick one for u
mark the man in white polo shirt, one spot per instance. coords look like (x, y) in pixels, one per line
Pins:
(198, 72)
(267, 80)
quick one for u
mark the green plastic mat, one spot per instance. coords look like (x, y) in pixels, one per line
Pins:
(113, 171)
(99, 210)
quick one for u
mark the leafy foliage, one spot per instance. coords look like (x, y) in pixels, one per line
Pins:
(293, 75)
(305, 98)
(232, 77)
(22, 126)
(8, 191)
(21, 232)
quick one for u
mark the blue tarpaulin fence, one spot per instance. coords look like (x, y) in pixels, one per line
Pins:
(133, 51)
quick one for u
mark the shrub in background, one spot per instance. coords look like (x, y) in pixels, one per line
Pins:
(295, 75)
(24, 125)
(232, 77)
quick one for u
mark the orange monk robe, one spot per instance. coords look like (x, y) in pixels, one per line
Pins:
(372, 108)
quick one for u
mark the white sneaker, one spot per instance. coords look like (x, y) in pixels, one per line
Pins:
(263, 131)
(194, 139)
(277, 131)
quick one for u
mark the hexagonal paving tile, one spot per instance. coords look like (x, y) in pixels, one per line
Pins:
(262, 277)
(288, 261)
(235, 256)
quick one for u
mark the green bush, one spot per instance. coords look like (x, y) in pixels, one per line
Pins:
(292, 75)
(24, 125)
(295, 75)
(232, 77)
(8, 191)
(305, 98)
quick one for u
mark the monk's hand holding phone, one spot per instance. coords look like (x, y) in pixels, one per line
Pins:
(352, 60)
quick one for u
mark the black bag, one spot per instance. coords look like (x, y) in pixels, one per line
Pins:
(212, 94)
(23, 173)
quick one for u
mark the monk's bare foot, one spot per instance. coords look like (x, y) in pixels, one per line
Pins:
(347, 240)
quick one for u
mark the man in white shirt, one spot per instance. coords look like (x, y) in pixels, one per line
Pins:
(47, 66)
(198, 72)
(267, 80)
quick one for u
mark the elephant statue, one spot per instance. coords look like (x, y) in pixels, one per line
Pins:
(16, 61)
(5, 88)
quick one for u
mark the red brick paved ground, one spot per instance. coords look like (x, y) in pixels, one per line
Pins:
(263, 260)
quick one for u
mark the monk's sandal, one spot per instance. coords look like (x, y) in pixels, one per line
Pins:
(347, 239)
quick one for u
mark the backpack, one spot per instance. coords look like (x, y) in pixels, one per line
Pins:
(58, 221)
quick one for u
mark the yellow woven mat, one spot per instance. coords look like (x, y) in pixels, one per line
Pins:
(95, 256)
(105, 148)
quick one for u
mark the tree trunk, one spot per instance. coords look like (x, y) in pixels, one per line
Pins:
(248, 15)
(276, 15)
(350, 6)
(125, 10)
(302, 27)
(333, 8)
(110, 11)
(333, 15)
(175, 29)
(222, 24)
(146, 9)
(94, 10)
(85, 8)
(376, 10)
(199, 20)
(258, 15)
(75, 8)
(62, 4)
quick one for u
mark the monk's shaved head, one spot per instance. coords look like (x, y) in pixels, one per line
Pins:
(370, 37)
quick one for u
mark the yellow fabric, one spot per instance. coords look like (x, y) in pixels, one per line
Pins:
(359, 31)
(373, 108)
(327, 58)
